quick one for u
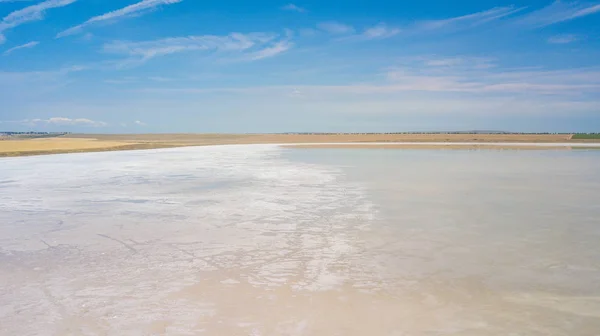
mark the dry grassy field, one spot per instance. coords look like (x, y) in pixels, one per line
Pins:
(214, 139)
(27, 147)
(73, 143)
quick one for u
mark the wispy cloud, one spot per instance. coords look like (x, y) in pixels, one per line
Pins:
(58, 121)
(119, 81)
(460, 62)
(457, 75)
(479, 75)
(469, 20)
(253, 46)
(140, 123)
(293, 8)
(137, 8)
(335, 28)
(383, 31)
(563, 39)
(444, 62)
(28, 14)
(12, 78)
(380, 31)
(160, 79)
(558, 11)
(73, 122)
(274, 50)
(23, 46)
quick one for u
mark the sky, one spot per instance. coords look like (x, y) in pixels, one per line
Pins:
(142, 66)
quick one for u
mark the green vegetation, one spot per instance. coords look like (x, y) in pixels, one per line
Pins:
(583, 136)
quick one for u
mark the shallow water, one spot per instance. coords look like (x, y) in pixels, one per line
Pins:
(262, 240)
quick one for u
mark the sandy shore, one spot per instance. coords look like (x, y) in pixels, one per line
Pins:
(76, 143)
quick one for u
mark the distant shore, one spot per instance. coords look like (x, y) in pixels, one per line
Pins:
(78, 143)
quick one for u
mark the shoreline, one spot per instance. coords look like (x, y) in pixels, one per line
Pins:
(450, 145)
(86, 143)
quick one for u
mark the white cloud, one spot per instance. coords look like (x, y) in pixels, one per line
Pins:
(464, 62)
(74, 122)
(466, 76)
(558, 11)
(470, 20)
(28, 14)
(253, 46)
(294, 8)
(274, 50)
(444, 62)
(450, 75)
(335, 28)
(144, 5)
(160, 79)
(563, 39)
(139, 123)
(380, 31)
(87, 37)
(296, 94)
(23, 46)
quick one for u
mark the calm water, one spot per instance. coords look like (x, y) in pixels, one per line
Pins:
(261, 240)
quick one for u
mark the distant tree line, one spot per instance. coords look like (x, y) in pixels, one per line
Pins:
(30, 135)
(33, 133)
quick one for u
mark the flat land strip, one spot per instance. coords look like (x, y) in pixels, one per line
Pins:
(74, 143)
(432, 146)
(591, 136)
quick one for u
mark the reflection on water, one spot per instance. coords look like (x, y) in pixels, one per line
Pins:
(258, 240)
(492, 234)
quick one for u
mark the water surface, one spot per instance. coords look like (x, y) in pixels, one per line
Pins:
(263, 240)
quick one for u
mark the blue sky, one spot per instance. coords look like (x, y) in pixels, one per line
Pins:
(271, 66)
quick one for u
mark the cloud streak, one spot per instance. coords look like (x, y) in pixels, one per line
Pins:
(469, 20)
(23, 46)
(563, 39)
(137, 8)
(293, 8)
(470, 76)
(383, 31)
(253, 46)
(479, 75)
(380, 31)
(73, 122)
(276, 49)
(557, 12)
(28, 14)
